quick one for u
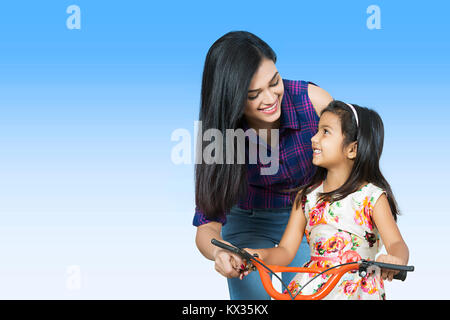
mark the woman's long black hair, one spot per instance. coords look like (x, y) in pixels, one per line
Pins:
(369, 136)
(229, 67)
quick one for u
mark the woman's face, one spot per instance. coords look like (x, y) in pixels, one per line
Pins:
(263, 107)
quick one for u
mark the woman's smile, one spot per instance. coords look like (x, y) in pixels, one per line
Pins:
(271, 109)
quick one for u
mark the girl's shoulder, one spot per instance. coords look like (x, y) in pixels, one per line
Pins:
(368, 192)
(312, 194)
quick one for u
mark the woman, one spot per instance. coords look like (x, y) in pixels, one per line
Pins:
(242, 89)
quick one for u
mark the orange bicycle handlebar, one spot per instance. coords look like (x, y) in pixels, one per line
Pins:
(336, 273)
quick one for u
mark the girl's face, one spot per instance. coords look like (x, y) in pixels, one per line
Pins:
(263, 107)
(328, 149)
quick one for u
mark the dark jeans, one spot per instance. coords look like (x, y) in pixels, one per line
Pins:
(255, 229)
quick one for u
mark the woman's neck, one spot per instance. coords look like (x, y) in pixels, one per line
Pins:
(258, 125)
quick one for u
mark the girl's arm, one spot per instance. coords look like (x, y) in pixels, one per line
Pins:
(396, 247)
(289, 244)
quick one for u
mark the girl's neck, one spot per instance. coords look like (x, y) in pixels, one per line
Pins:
(336, 178)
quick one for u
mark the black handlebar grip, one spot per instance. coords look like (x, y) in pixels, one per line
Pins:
(401, 275)
(224, 246)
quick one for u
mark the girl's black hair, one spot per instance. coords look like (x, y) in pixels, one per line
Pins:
(229, 67)
(369, 136)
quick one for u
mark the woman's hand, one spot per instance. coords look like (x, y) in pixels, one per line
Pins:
(387, 258)
(227, 263)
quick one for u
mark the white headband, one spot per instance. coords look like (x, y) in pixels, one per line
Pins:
(356, 114)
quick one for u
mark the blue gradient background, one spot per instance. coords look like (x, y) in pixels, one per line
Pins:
(86, 118)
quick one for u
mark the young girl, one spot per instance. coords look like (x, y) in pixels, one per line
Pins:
(346, 208)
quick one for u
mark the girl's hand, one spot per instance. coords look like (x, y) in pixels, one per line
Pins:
(254, 251)
(387, 258)
(246, 268)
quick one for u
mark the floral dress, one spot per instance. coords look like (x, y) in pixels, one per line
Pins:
(340, 232)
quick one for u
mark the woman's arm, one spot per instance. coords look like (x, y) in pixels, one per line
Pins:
(319, 97)
(226, 263)
(205, 233)
(290, 242)
(396, 247)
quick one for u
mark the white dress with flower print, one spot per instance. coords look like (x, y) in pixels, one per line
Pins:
(333, 229)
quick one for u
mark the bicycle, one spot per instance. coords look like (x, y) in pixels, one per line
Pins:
(362, 266)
